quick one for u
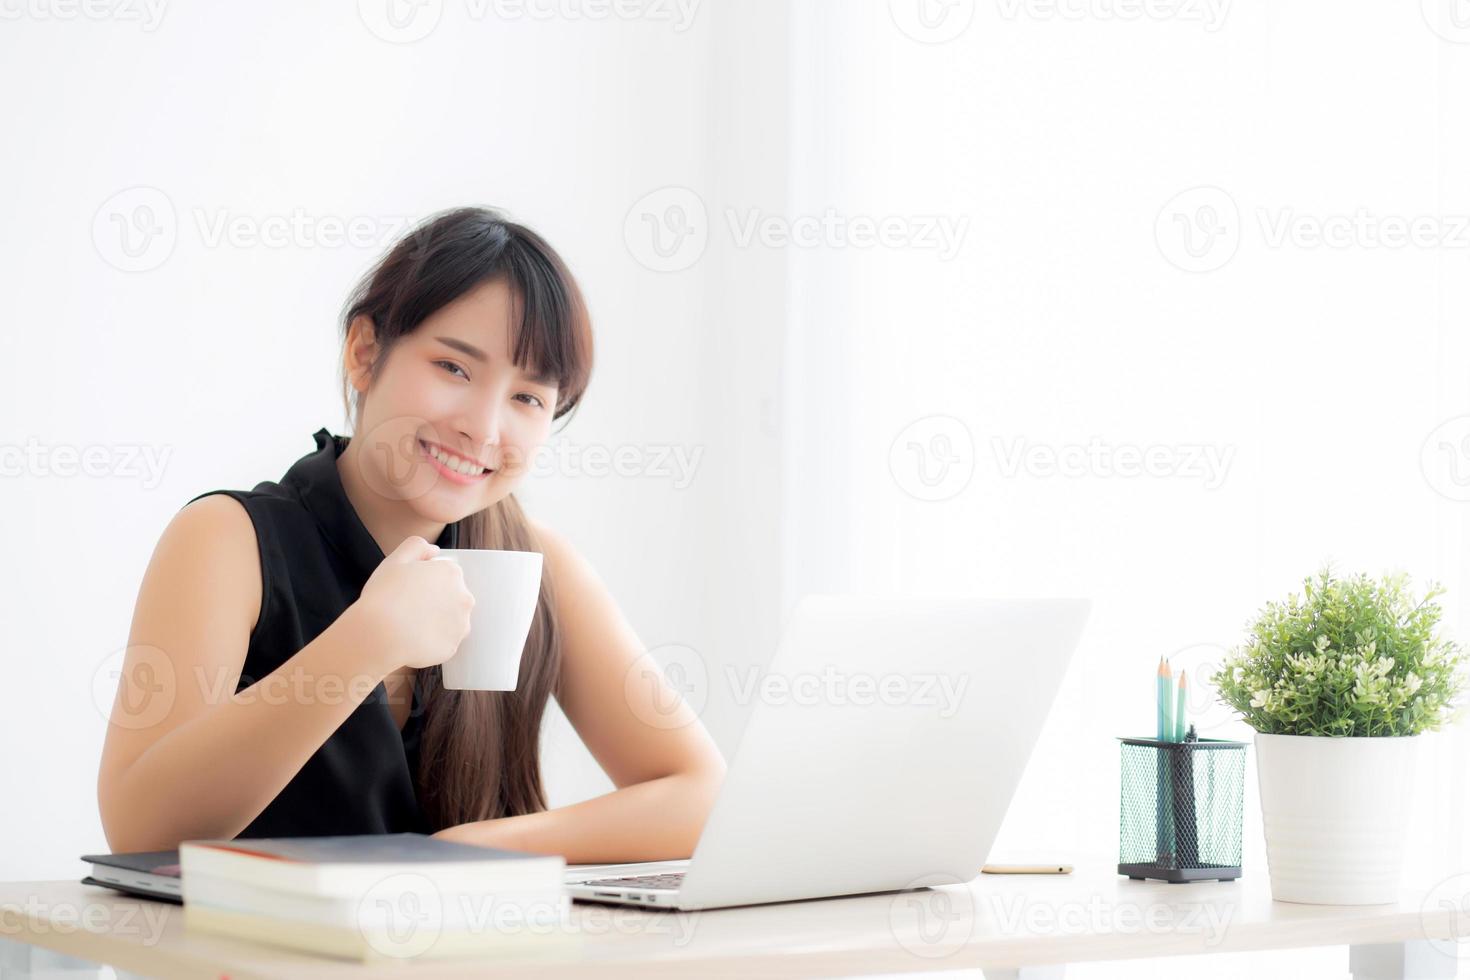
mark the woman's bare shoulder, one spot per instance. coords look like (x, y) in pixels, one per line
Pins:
(556, 547)
(214, 537)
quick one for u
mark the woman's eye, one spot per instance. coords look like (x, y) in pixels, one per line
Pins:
(456, 367)
(452, 367)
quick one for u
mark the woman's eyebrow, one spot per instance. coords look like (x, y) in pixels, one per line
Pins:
(470, 350)
(467, 349)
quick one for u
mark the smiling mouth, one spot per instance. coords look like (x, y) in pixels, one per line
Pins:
(453, 467)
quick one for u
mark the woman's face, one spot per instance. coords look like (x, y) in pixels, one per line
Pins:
(450, 389)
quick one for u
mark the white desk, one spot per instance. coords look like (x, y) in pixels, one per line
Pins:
(1003, 925)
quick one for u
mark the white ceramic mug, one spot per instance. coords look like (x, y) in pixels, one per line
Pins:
(506, 585)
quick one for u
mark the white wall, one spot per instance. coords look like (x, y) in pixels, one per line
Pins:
(1072, 312)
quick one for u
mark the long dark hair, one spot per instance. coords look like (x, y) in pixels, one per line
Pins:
(479, 752)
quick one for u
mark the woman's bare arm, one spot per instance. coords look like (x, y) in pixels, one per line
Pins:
(185, 756)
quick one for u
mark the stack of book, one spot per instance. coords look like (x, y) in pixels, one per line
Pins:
(376, 897)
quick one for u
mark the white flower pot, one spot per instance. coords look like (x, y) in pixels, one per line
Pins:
(1336, 813)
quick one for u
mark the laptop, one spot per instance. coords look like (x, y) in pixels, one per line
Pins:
(889, 753)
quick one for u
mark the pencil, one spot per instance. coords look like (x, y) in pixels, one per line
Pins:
(1163, 814)
(1166, 702)
(1179, 704)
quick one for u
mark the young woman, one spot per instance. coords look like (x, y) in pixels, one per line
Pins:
(282, 676)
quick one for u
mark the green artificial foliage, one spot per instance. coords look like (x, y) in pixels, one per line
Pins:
(1353, 657)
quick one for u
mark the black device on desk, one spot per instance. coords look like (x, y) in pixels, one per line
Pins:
(147, 874)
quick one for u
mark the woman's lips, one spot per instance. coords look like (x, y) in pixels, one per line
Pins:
(453, 476)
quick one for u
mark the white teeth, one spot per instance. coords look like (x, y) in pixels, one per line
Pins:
(454, 463)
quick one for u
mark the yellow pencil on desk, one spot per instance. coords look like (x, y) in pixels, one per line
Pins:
(1059, 868)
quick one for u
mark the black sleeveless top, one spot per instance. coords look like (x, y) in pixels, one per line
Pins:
(315, 557)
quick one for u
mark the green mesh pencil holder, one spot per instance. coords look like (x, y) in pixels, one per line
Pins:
(1182, 809)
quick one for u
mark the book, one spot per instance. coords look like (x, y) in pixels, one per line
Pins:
(351, 864)
(376, 896)
(379, 905)
(391, 944)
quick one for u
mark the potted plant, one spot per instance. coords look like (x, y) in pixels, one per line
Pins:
(1338, 686)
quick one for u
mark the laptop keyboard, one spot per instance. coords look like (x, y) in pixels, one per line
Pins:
(670, 880)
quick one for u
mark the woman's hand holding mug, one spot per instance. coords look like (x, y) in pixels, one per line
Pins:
(418, 609)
